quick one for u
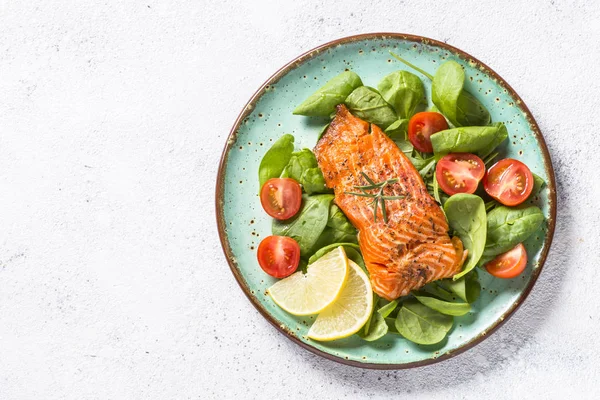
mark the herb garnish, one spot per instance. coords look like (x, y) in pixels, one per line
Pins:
(378, 197)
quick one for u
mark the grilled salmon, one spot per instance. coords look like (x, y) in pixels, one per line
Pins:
(413, 247)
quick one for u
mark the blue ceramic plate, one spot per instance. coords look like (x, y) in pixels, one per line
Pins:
(268, 115)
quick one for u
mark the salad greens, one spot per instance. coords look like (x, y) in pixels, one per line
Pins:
(421, 324)
(366, 103)
(404, 91)
(480, 140)
(302, 166)
(322, 103)
(448, 94)
(486, 229)
(275, 159)
(466, 216)
(509, 226)
(306, 227)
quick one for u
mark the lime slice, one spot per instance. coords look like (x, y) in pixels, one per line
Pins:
(310, 293)
(349, 312)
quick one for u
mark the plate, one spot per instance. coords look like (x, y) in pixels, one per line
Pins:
(242, 223)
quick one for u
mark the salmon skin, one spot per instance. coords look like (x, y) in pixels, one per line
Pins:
(413, 247)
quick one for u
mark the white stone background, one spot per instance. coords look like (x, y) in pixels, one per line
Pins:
(113, 116)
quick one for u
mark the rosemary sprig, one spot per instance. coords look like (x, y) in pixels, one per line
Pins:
(378, 197)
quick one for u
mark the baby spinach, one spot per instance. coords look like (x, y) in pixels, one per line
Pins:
(404, 91)
(303, 167)
(338, 227)
(466, 216)
(322, 131)
(347, 247)
(466, 288)
(509, 226)
(397, 131)
(421, 324)
(481, 140)
(374, 329)
(445, 307)
(434, 289)
(276, 158)
(308, 224)
(322, 103)
(458, 105)
(366, 103)
(388, 308)
(538, 184)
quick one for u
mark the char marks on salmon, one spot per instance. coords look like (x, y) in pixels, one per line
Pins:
(413, 247)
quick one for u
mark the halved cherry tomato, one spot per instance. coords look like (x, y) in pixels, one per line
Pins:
(510, 264)
(509, 181)
(281, 198)
(279, 256)
(459, 173)
(421, 126)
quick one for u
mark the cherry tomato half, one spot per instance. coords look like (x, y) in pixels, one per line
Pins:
(459, 173)
(281, 198)
(279, 256)
(510, 264)
(421, 126)
(509, 181)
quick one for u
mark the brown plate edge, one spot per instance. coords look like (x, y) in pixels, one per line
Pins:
(220, 187)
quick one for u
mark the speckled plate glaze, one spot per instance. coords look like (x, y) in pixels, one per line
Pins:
(268, 115)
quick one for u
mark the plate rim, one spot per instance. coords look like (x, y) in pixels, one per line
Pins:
(220, 189)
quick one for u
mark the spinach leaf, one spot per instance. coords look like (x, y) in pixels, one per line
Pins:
(445, 307)
(538, 184)
(366, 103)
(322, 103)
(308, 224)
(404, 91)
(466, 216)
(303, 168)
(275, 159)
(338, 229)
(347, 247)
(398, 131)
(388, 308)
(374, 329)
(466, 288)
(481, 140)
(433, 289)
(458, 105)
(509, 226)
(421, 324)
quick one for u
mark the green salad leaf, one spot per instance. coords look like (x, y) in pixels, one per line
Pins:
(481, 140)
(375, 328)
(509, 226)
(352, 252)
(421, 324)
(466, 216)
(458, 105)
(445, 307)
(322, 103)
(303, 167)
(308, 224)
(404, 91)
(275, 159)
(466, 288)
(366, 103)
(538, 184)
(398, 130)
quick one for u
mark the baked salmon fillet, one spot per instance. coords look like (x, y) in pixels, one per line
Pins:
(413, 247)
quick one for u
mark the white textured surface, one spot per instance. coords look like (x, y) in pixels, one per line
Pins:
(112, 120)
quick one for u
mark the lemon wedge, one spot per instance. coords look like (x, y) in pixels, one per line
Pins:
(310, 293)
(349, 312)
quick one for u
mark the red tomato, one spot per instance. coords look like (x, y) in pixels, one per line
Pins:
(510, 264)
(421, 126)
(278, 256)
(281, 198)
(509, 181)
(459, 173)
